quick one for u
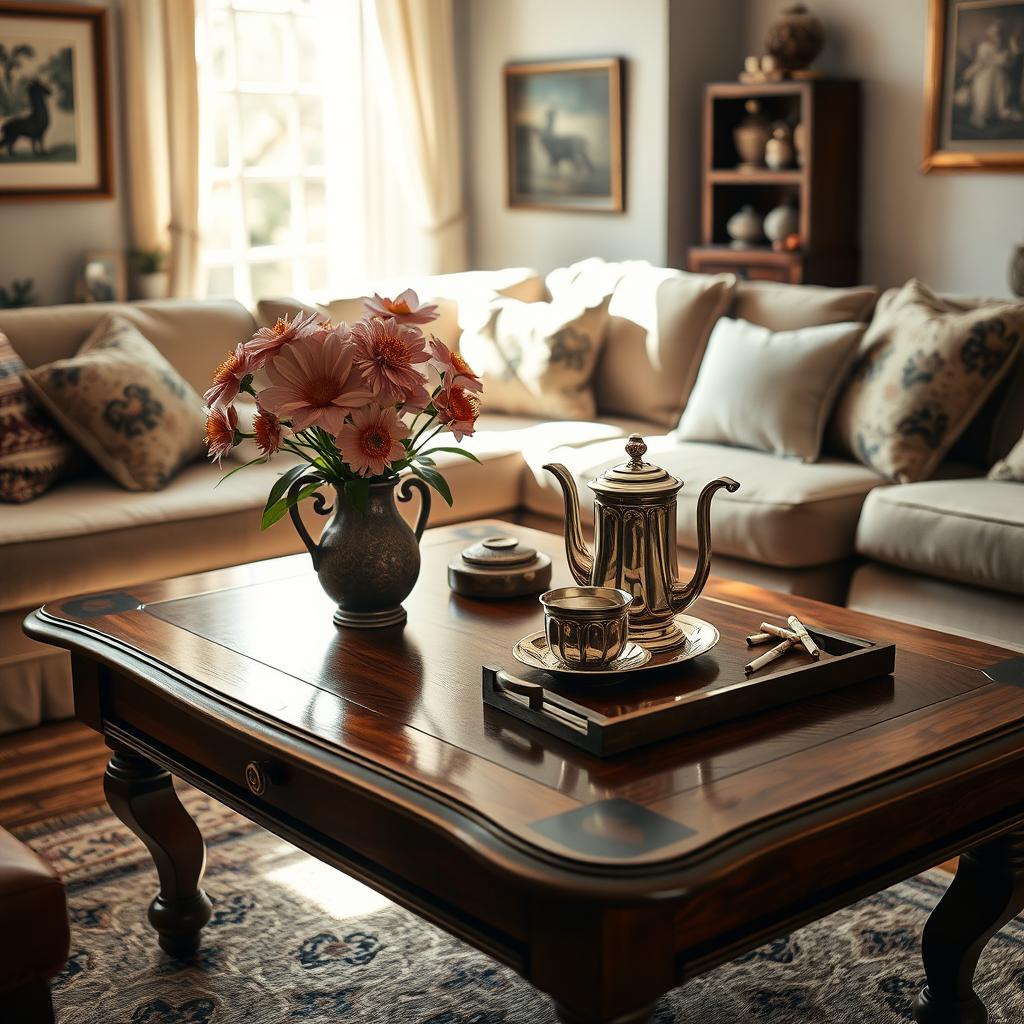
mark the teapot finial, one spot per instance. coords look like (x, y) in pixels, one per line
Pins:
(636, 449)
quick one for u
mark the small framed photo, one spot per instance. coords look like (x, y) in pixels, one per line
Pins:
(55, 139)
(104, 277)
(565, 135)
(974, 86)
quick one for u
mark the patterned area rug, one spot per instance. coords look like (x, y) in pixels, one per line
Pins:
(293, 940)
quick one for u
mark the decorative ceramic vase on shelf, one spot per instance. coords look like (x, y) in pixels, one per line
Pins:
(152, 286)
(800, 142)
(744, 227)
(781, 222)
(367, 562)
(1017, 271)
(750, 136)
(778, 152)
(795, 38)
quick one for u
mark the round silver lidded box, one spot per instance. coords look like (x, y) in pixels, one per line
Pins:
(499, 567)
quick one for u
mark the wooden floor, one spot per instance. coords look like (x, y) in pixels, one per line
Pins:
(53, 770)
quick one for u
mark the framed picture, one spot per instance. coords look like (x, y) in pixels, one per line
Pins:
(565, 129)
(104, 278)
(54, 104)
(974, 86)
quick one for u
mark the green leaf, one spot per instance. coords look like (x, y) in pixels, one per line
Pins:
(245, 465)
(454, 451)
(283, 482)
(425, 460)
(435, 480)
(274, 512)
(245, 384)
(358, 493)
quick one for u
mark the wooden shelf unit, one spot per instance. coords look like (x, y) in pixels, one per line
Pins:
(825, 189)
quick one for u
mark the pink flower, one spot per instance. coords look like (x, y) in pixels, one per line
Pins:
(406, 308)
(267, 429)
(268, 341)
(387, 353)
(457, 409)
(219, 438)
(315, 383)
(228, 377)
(454, 367)
(373, 440)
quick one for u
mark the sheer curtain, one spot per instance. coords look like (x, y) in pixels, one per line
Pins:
(162, 132)
(411, 62)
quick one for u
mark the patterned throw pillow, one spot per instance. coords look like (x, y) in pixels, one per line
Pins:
(1012, 467)
(34, 454)
(536, 358)
(125, 405)
(925, 367)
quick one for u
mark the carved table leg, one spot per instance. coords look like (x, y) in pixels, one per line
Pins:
(142, 796)
(987, 892)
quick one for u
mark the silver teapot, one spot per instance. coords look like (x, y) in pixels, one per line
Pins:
(635, 542)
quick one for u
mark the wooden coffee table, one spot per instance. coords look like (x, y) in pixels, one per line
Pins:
(604, 882)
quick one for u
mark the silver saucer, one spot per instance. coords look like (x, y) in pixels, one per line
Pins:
(701, 636)
(533, 651)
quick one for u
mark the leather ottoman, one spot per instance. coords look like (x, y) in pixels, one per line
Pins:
(34, 934)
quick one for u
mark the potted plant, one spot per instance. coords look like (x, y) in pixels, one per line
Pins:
(150, 273)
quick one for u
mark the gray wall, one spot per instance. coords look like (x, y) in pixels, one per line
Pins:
(954, 231)
(47, 240)
(499, 31)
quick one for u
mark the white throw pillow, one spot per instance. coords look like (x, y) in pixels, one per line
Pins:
(1012, 467)
(535, 358)
(772, 391)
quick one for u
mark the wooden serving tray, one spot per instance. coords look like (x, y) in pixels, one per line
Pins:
(643, 709)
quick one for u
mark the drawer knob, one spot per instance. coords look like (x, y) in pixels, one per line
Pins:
(257, 777)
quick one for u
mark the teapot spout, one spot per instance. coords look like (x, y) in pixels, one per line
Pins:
(684, 594)
(581, 562)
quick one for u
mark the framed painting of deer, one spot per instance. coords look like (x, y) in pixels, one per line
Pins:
(55, 140)
(565, 135)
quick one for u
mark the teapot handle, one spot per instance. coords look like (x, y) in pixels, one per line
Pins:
(320, 507)
(405, 489)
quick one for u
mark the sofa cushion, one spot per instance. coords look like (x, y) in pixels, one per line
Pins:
(788, 307)
(787, 514)
(1012, 467)
(125, 405)
(657, 329)
(925, 368)
(969, 531)
(88, 535)
(34, 454)
(768, 390)
(535, 357)
(193, 336)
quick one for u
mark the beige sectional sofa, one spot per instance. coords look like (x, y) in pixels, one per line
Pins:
(941, 553)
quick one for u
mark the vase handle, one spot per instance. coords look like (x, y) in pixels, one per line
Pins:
(320, 507)
(405, 489)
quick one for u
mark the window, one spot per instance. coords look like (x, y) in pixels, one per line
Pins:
(281, 97)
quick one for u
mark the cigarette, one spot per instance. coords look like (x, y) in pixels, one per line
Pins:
(759, 638)
(805, 638)
(769, 656)
(780, 631)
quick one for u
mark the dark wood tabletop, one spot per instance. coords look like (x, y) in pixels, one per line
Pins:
(373, 749)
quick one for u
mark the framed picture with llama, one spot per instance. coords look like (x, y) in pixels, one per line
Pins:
(55, 139)
(564, 123)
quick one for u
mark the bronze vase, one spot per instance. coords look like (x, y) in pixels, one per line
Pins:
(367, 562)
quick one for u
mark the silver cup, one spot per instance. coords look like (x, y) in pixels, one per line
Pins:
(586, 627)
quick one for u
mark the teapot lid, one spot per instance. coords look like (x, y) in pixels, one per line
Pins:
(636, 476)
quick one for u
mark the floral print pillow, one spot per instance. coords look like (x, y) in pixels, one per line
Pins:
(926, 366)
(125, 405)
(1012, 467)
(535, 358)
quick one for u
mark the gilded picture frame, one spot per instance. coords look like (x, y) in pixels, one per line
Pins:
(565, 135)
(974, 86)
